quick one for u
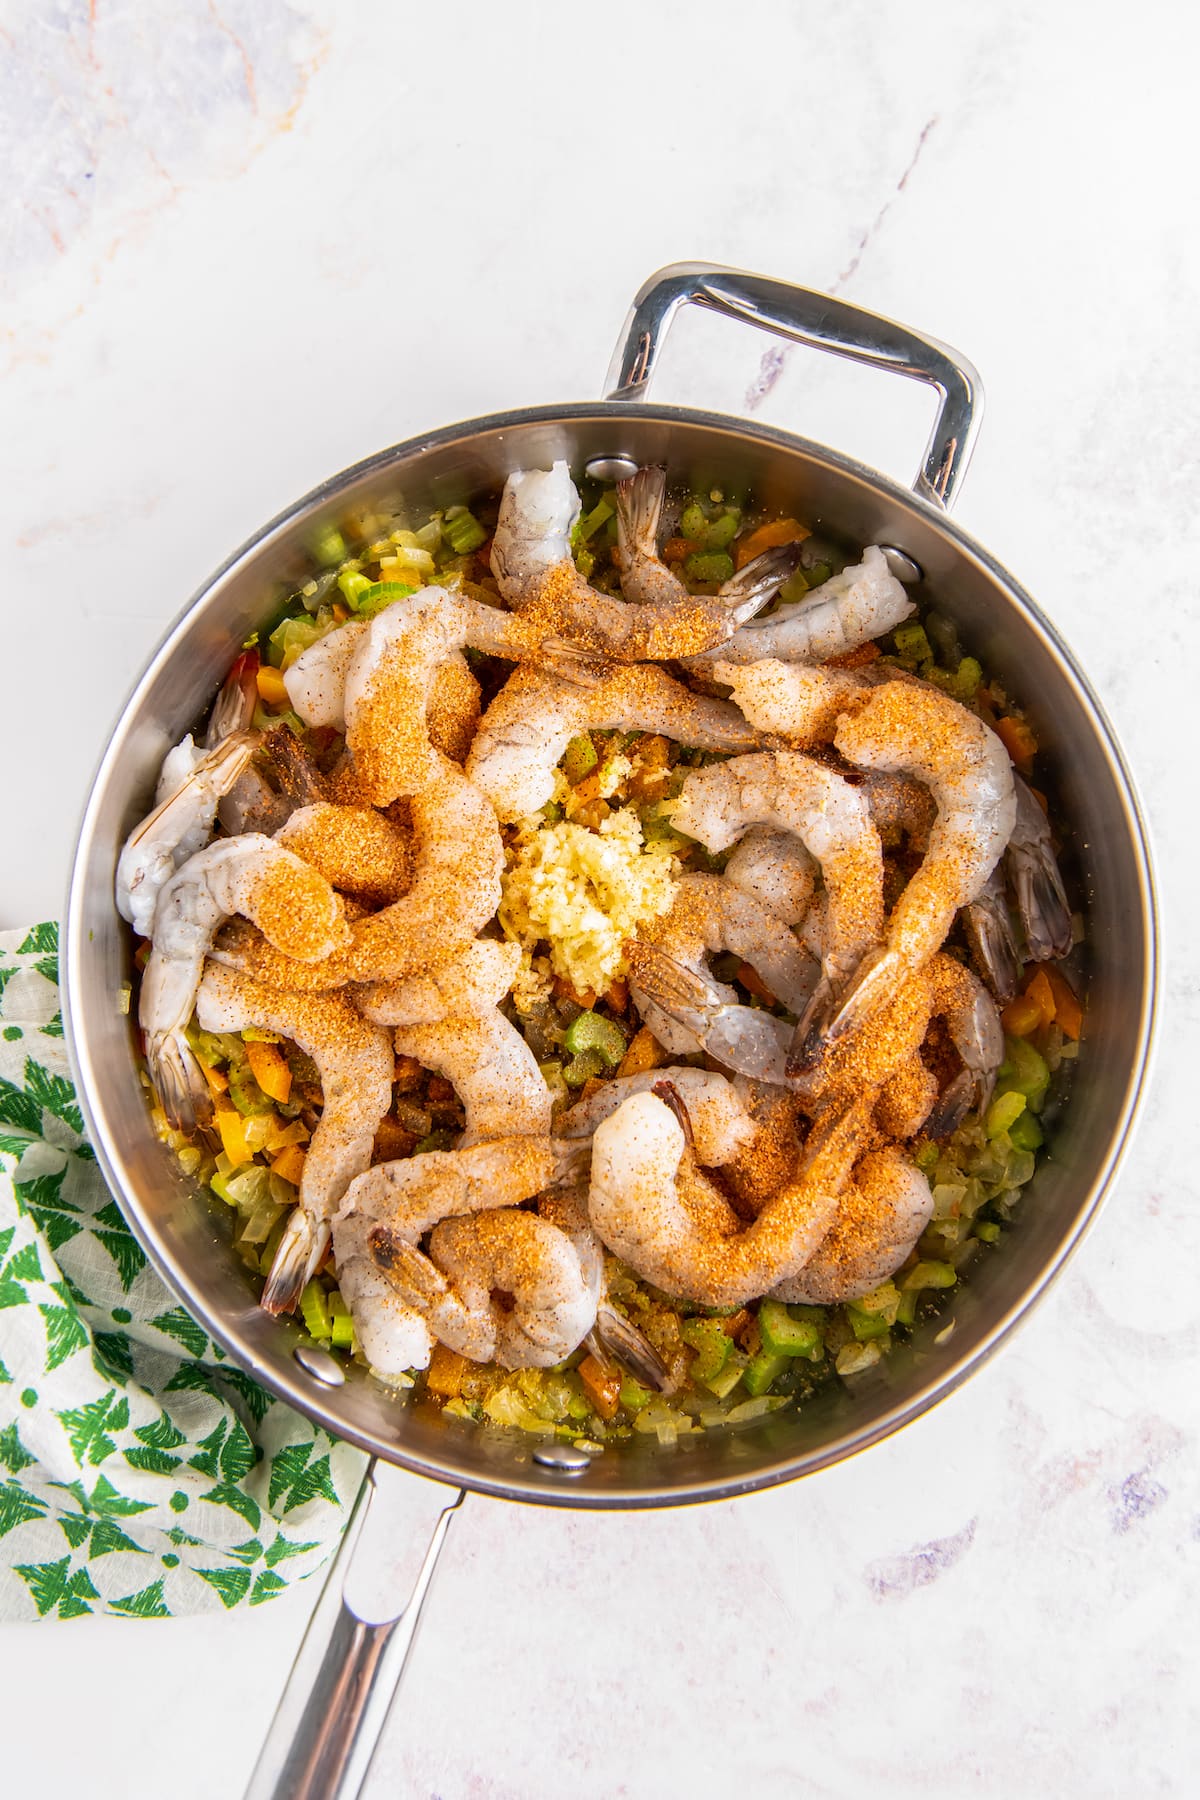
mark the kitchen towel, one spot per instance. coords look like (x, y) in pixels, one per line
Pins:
(140, 1471)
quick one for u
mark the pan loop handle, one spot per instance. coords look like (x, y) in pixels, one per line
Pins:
(337, 1698)
(823, 322)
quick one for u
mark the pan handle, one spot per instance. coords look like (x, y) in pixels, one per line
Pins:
(824, 323)
(336, 1702)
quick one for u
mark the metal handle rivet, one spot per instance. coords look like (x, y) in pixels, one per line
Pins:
(562, 1459)
(320, 1365)
(610, 468)
(903, 567)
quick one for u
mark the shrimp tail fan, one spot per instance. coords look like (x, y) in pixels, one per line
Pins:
(301, 1248)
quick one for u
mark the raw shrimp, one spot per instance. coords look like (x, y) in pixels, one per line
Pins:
(355, 1062)
(655, 1209)
(990, 935)
(533, 718)
(646, 579)
(710, 914)
(458, 857)
(357, 849)
(1042, 904)
(191, 784)
(535, 571)
(973, 1026)
(913, 728)
(774, 866)
(847, 610)
(613, 1338)
(502, 1286)
(721, 1125)
(791, 792)
(794, 703)
(883, 1211)
(694, 1008)
(295, 908)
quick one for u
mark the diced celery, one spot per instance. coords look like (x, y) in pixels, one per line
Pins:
(865, 1326)
(291, 638)
(1004, 1111)
(314, 1310)
(967, 679)
(926, 1157)
(1028, 1072)
(220, 1186)
(711, 1344)
(354, 584)
(592, 1031)
(633, 1395)
(583, 1067)
(591, 522)
(723, 1383)
(722, 531)
(763, 1370)
(245, 1092)
(911, 642)
(786, 1336)
(462, 530)
(378, 594)
(694, 522)
(327, 546)
(341, 1332)
(1026, 1133)
(818, 574)
(795, 587)
(579, 759)
(928, 1275)
(709, 565)
(881, 1302)
(988, 1230)
(906, 1312)
(436, 1140)
(552, 812)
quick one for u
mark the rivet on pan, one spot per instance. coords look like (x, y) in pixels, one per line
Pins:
(610, 468)
(903, 567)
(562, 1459)
(320, 1365)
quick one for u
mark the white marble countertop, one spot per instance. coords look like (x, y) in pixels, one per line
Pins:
(249, 242)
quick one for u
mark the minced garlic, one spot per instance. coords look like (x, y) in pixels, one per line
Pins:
(584, 892)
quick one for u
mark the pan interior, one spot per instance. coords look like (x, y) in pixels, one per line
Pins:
(182, 1229)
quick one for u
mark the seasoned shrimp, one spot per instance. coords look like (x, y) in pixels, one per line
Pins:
(655, 1209)
(535, 571)
(790, 792)
(844, 612)
(1042, 903)
(794, 703)
(355, 1062)
(710, 914)
(916, 729)
(695, 1008)
(990, 935)
(358, 850)
(774, 866)
(501, 1286)
(533, 718)
(883, 1211)
(973, 1026)
(458, 857)
(294, 907)
(190, 789)
(722, 1127)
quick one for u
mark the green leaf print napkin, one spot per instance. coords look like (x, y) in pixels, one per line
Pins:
(140, 1472)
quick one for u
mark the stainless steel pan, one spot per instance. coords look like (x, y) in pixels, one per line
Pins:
(313, 1749)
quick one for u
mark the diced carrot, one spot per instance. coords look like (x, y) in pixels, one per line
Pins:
(618, 995)
(393, 1141)
(445, 1374)
(271, 688)
(677, 548)
(754, 984)
(767, 537)
(407, 1074)
(289, 1164)
(603, 1389)
(586, 998)
(217, 1079)
(591, 1086)
(1067, 1010)
(737, 1325)
(644, 1052)
(1017, 739)
(340, 613)
(269, 1067)
(1021, 1017)
(233, 1136)
(1039, 991)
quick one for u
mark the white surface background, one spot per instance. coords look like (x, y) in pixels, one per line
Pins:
(248, 242)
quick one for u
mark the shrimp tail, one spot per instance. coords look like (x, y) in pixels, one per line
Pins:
(178, 1081)
(833, 1011)
(664, 980)
(619, 1340)
(993, 946)
(233, 708)
(1042, 903)
(639, 501)
(952, 1106)
(417, 1281)
(300, 1250)
(747, 592)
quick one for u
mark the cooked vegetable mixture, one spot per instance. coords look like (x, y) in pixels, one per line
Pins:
(606, 955)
